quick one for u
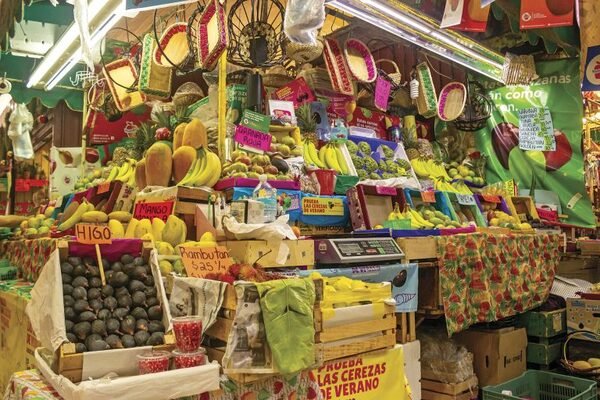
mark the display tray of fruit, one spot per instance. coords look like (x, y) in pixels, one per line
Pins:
(468, 171)
(381, 162)
(244, 165)
(498, 215)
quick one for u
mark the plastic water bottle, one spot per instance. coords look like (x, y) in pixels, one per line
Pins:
(266, 194)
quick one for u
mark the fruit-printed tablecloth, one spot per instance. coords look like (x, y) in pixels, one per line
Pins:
(29, 385)
(487, 277)
(28, 255)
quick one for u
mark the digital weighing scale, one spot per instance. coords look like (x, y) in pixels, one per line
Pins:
(357, 250)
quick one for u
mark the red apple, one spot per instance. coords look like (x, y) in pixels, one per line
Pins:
(556, 159)
(505, 137)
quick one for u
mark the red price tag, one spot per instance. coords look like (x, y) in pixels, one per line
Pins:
(103, 188)
(252, 138)
(382, 93)
(490, 198)
(386, 190)
(93, 234)
(201, 261)
(160, 210)
(428, 196)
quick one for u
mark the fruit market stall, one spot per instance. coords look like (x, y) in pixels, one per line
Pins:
(277, 200)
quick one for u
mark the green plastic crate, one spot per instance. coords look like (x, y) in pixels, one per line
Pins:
(543, 354)
(544, 324)
(542, 385)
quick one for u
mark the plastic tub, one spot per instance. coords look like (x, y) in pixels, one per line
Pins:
(188, 360)
(153, 361)
(541, 385)
(188, 333)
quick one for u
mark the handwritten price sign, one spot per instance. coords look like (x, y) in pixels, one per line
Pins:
(93, 234)
(428, 196)
(160, 210)
(252, 138)
(201, 261)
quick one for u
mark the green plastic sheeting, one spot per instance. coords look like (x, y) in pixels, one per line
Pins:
(287, 308)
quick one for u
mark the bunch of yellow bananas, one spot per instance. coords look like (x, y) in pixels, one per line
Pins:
(416, 219)
(124, 173)
(330, 156)
(429, 168)
(204, 171)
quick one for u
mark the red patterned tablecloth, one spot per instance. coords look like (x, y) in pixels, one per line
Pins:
(28, 255)
(487, 277)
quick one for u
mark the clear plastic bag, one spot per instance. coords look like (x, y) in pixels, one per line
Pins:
(21, 124)
(302, 20)
(444, 359)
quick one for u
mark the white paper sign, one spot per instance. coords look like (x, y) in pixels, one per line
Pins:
(465, 199)
(452, 13)
(536, 131)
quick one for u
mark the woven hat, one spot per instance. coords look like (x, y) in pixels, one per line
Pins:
(276, 77)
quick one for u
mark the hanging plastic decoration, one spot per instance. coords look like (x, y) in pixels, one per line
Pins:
(303, 19)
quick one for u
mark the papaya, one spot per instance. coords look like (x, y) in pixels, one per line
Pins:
(140, 174)
(178, 135)
(158, 165)
(183, 158)
(195, 134)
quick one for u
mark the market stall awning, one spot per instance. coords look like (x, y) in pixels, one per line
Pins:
(18, 69)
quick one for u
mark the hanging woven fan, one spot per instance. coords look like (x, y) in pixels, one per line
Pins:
(256, 33)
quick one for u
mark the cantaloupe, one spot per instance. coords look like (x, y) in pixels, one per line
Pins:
(195, 134)
(183, 158)
(178, 135)
(158, 164)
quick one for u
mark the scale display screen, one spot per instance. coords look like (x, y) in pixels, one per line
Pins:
(366, 248)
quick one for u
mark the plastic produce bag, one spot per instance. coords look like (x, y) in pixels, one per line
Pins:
(302, 20)
(21, 124)
(443, 358)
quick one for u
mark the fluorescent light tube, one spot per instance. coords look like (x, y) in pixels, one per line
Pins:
(96, 38)
(392, 21)
(68, 38)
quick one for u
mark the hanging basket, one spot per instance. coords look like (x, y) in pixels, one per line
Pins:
(255, 33)
(360, 61)
(338, 69)
(155, 80)
(590, 373)
(477, 111)
(172, 49)
(427, 99)
(211, 35)
(451, 101)
(122, 76)
(303, 53)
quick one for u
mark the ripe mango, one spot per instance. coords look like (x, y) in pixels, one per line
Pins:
(158, 164)
(195, 134)
(157, 227)
(140, 174)
(476, 12)
(117, 230)
(175, 231)
(178, 135)
(183, 158)
(143, 227)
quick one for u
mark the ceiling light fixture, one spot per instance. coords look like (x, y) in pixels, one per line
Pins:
(68, 45)
(418, 29)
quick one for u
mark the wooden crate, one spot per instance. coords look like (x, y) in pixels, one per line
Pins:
(68, 362)
(184, 201)
(301, 252)
(434, 390)
(346, 340)
(418, 248)
(406, 328)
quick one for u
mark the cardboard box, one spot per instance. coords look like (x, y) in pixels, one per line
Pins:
(301, 252)
(498, 355)
(584, 314)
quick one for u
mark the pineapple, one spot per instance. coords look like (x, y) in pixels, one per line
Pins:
(411, 147)
(307, 123)
(144, 137)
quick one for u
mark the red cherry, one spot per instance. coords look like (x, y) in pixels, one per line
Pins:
(556, 159)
